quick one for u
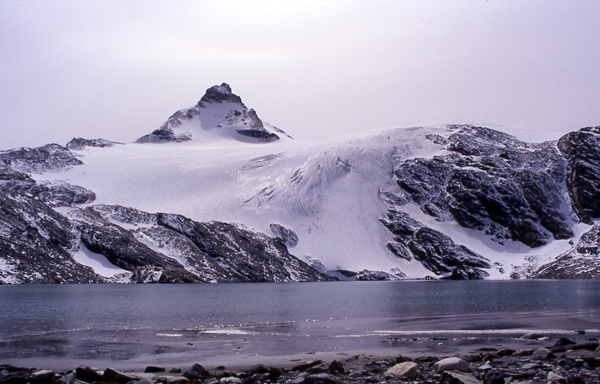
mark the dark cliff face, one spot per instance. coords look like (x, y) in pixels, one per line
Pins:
(36, 243)
(436, 251)
(494, 183)
(211, 252)
(250, 256)
(582, 150)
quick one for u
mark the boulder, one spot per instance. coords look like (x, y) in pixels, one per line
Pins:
(408, 370)
(16, 375)
(458, 378)
(197, 372)
(323, 378)
(42, 377)
(116, 376)
(530, 366)
(542, 354)
(494, 377)
(522, 352)
(592, 358)
(177, 380)
(587, 346)
(230, 380)
(564, 341)
(451, 364)
(573, 379)
(555, 378)
(335, 367)
(69, 378)
(153, 369)
(87, 374)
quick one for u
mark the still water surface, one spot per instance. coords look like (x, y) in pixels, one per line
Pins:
(126, 322)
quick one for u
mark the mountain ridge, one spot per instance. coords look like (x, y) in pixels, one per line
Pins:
(453, 201)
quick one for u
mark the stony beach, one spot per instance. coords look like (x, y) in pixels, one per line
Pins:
(530, 358)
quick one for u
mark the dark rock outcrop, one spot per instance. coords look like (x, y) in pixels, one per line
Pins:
(368, 275)
(255, 128)
(122, 249)
(219, 94)
(36, 243)
(78, 143)
(289, 237)
(582, 150)
(436, 251)
(47, 158)
(251, 256)
(54, 194)
(581, 262)
(118, 245)
(493, 183)
(163, 134)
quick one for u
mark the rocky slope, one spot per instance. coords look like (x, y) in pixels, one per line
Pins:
(44, 226)
(455, 202)
(581, 262)
(494, 183)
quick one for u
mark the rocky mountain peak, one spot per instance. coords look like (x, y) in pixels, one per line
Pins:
(219, 94)
(220, 114)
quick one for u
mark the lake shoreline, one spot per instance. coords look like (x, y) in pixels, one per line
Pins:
(439, 344)
(533, 355)
(284, 345)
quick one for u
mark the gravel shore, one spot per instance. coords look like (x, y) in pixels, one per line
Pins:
(531, 358)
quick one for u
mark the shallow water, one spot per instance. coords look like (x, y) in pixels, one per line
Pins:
(126, 325)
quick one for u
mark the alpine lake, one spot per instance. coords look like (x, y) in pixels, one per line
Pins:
(131, 326)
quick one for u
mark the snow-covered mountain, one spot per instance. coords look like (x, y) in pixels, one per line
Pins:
(217, 195)
(220, 114)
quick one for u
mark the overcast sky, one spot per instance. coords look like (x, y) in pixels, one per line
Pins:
(118, 69)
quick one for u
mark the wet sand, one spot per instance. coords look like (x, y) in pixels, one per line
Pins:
(286, 345)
